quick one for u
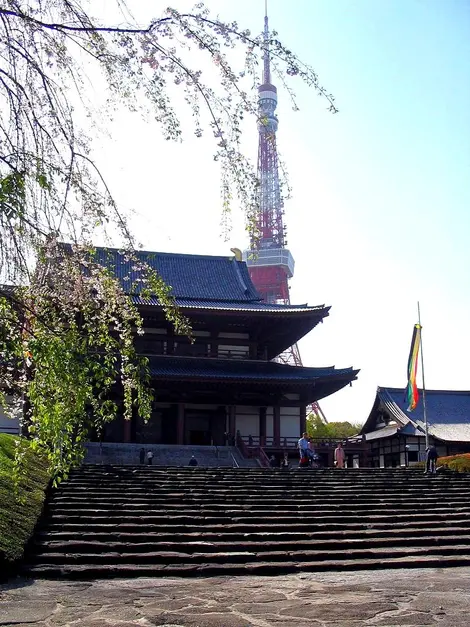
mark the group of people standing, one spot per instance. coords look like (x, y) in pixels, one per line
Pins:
(308, 455)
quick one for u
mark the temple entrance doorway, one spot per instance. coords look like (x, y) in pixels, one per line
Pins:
(199, 438)
(204, 427)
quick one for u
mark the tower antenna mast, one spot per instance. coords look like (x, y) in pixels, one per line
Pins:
(269, 261)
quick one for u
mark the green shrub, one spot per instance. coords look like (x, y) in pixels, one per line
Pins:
(459, 464)
(445, 460)
(24, 476)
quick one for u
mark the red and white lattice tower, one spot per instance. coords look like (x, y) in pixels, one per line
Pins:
(270, 263)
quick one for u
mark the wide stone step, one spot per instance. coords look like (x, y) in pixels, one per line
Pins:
(230, 557)
(91, 546)
(258, 567)
(265, 492)
(244, 532)
(141, 488)
(219, 495)
(48, 537)
(267, 479)
(162, 519)
(232, 509)
(254, 506)
(137, 487)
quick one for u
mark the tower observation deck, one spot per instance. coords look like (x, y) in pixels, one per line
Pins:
(269, 261)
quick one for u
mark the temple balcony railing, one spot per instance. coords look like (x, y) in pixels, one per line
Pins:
(240, 355)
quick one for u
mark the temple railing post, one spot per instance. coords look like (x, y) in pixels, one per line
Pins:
(262, 426)
(276, 425)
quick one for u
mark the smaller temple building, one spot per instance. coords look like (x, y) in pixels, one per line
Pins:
(396, 437)
(226, 382)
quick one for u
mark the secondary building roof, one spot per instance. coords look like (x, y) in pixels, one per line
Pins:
(448, 414)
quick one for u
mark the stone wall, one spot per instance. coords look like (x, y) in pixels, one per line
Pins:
(163, 454)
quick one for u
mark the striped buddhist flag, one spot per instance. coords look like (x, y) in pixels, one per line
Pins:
(411, 392)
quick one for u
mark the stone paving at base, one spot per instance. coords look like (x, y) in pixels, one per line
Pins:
(385, 598)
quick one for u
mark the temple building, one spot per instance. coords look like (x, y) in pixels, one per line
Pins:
(396, 437)
(227, 380)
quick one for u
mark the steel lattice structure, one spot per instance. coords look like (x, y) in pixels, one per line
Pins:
(270, 263)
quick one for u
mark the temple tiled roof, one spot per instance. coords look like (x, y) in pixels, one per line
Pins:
(223, 369)
(448, 413)
(198, 277)
(196, 281)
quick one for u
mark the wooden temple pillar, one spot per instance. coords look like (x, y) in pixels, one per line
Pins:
(303, 419)
(180, 424)
(232, 422)
(127, 431)
(364, 456)
(253, 350)
(276, 425)
(262, 426)
(331, 457)
(170, 344)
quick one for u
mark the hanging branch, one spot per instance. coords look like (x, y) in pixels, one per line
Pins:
(71, 308)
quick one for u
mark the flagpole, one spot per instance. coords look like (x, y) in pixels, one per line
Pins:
(422, 373)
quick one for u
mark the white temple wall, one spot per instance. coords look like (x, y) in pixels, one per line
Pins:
(290, 422)
(247, 420)
(269, 422)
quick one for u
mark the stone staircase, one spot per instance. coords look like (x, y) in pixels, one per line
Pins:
(111, 521)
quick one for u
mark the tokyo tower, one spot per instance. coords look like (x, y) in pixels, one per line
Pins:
(269, 261)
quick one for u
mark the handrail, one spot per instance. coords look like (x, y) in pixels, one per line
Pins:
(235, 463)
(242, 447)
(263, 457)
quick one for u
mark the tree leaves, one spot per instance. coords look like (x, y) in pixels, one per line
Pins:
(12, 195)
(316, 428)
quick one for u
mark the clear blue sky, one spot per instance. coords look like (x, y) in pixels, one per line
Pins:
(380, 215)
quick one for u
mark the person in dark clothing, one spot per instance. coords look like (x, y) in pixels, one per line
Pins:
(272, 462)
(431, 459)
(142, 456)
(193, 461)
(149, 458)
